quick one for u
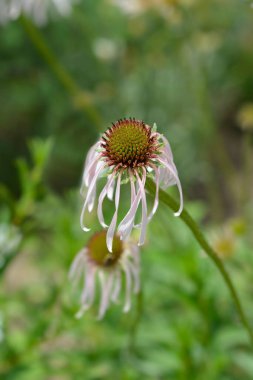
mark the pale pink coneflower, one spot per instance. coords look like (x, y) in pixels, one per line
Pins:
(98, 266)
(129, 151)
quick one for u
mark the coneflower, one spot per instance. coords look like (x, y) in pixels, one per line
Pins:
(100, 267)
(128, 151)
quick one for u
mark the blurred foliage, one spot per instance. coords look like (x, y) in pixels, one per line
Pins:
(186, 65)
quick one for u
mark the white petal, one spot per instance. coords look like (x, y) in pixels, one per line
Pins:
(112, 227)
(101, 199)
(89, 284)
(106, 285)
(110, 191)
(136, 275)
(171, 169)
(167, 148)
(125, 231)
(117, 286)
(77, 265)
(126, 223)
(88, 291)
(89, 195)
(156, 201)
(91, 160)
(144, 219)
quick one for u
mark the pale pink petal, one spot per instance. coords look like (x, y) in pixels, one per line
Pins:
(92, 200)
(77, 265)
(106, 285)
(156, 201)
(166, 178)
(110, 190)
(112, 227)
(166, 148)
(144, 219)
(89, 283)
(101, 200)
(89, 195)
(171, 169)
(90, 166)
(87, 297)
(128, 230)
(136, 275)
(117, 286)
(89, 170)
(126, 225)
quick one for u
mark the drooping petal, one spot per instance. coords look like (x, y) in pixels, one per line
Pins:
(88, 286)
(167, 148)
(156, 201)
(89, 174)
(166, 178)
(144, 219)
(171, 169)
(117, 286)
(125, 225)
(77, 266)
(101, 199)
(110, 190)
(136, 276)
(89, 196)
(125, 231)
(88, 293)
(106, 285)
(112, 227)
(89, 166)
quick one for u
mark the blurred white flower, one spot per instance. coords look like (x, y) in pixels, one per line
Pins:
(130, 7)
(96, 263)
(105, 49)
(37, 10)
(10, 237)
(164, 7)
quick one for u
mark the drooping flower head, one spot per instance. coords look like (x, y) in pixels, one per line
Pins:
(97, 265)
(128, 151)
(37, 10)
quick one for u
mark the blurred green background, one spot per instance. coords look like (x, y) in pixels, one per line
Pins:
(188, 66)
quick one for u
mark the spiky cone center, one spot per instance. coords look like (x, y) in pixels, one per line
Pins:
(98, 252)
(128, 144)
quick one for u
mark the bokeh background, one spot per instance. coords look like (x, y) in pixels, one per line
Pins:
(188, 66)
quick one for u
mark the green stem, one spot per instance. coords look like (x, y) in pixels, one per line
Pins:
(81, 97)
(186, 217)
(136, 321)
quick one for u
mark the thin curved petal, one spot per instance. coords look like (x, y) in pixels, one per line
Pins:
(106, 285)
(117, 287)
(89, 195)
(144, 219)
(77, 266)
(171, 169)
(112, 227)
(101, 200)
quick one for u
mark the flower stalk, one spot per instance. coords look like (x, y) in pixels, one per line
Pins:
(195, 229)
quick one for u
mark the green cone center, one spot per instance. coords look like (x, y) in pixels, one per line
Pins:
(98, 251)
(129, 143)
